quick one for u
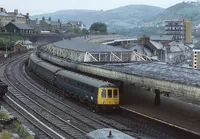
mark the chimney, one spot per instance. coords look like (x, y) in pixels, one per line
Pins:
(1, 10)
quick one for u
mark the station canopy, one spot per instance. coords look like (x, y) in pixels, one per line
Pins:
(80, 51)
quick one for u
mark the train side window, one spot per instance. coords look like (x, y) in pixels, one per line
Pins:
(103, 93)
(92, 90)
(81, 85)
(109, 93)
(89, 88)
(67, 80)
(115, 93)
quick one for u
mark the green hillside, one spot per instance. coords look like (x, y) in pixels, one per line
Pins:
(123, 17)
(181, 10)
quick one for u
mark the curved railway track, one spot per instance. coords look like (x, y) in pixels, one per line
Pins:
(52, 124)
(138, 128)
(61, 118)
(149, 127)
(48, 110)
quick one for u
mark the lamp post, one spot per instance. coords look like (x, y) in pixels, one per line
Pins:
(6, 55)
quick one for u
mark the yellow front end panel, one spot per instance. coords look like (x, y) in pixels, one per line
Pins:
(105, 100)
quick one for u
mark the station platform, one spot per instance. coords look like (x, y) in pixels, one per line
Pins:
(171, 110)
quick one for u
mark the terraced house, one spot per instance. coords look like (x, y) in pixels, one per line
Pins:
(6, 17)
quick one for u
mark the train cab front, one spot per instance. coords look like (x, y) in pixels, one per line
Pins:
(108, 98)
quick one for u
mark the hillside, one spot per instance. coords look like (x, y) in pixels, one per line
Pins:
(122, 17)
(180, 10)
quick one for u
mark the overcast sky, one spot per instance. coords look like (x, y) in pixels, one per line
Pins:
(46, 6)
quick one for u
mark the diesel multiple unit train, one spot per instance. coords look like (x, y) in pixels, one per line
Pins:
(91, 90)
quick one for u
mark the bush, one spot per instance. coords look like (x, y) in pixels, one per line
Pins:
(16, 126)
(3, 116)
(20, 130)
(5, 135)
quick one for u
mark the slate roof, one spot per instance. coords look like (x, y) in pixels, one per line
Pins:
(55, 23)
(3, 14)
(88, 47)
(175, 48)
(142, 50)
(76, 23)
(158, 71)
(157, 45)
(21, 25)
(27, 42)
(15, 15)
(161, 37)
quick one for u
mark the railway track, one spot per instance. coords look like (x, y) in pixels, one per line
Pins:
(40, 116)
(44, 94)
(24, 92)
(140, 125)
(138, 128)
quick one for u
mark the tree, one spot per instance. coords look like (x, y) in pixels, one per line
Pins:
(85, 31)
(98, 26)
(77, 30)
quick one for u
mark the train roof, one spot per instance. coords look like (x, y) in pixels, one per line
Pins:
(75, 76)
(49, 66)
(85, 79)
(34, 57)
(105, 132)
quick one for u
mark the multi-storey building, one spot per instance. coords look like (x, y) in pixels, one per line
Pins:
(196, 56)
(180, 29)
(6, 17)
